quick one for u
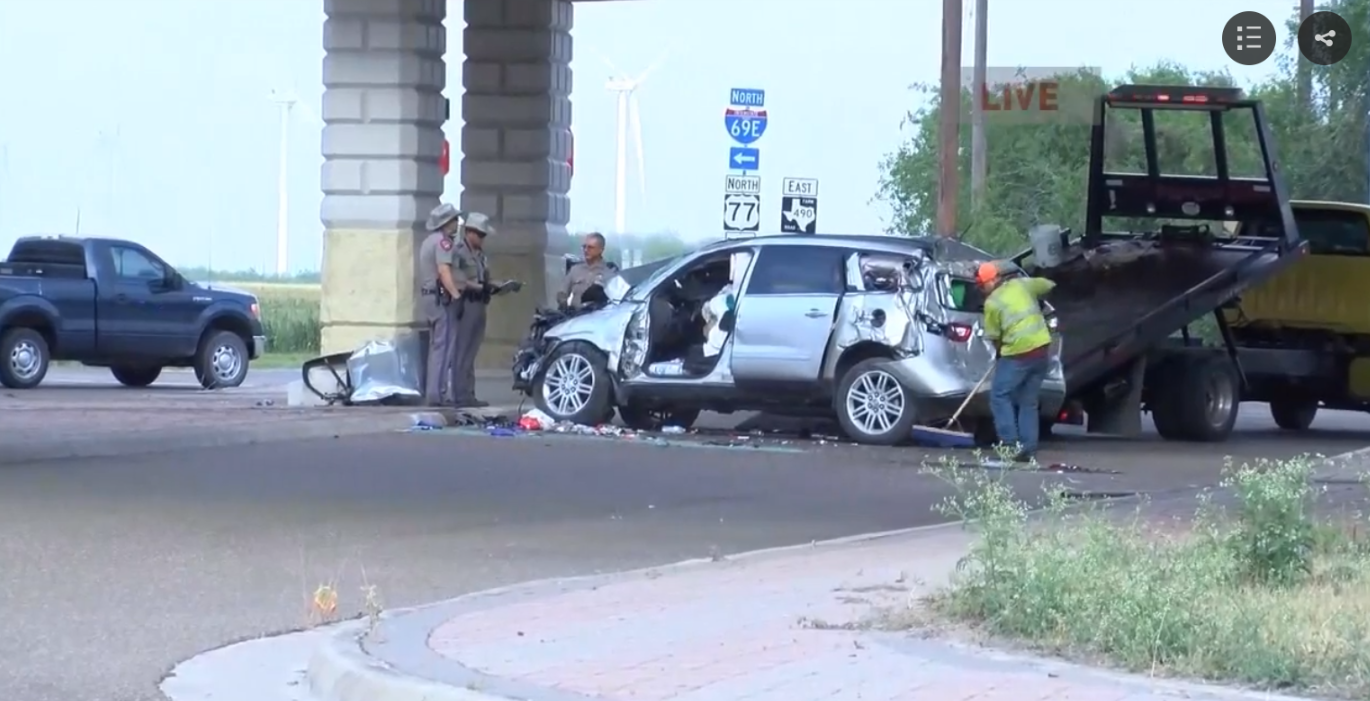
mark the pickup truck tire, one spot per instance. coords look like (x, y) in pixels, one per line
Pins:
(866, 392)
(136, 376)
(1197, 399)
(1293, 414)
(221, 360)
(574, 385)
(24, 358)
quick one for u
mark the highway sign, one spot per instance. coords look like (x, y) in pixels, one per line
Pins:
(742, 185)
(741, 213)
(744, 126)
(743, 158)
(799, 187)
(799, 215)
(747, 97)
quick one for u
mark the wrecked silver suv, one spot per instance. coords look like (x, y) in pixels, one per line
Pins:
(879, 332)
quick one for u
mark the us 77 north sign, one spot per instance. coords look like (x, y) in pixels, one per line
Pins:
(741, 212)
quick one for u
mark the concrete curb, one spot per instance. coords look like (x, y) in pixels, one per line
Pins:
(342, 671)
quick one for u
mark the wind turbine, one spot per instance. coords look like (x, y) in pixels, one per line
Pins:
(629, 116)
(285, 100)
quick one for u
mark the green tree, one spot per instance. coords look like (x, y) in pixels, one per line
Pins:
(1037, 172)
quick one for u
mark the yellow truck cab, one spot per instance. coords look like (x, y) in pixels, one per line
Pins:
(1303, 337)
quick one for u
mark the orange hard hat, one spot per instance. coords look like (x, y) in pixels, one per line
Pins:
(986, 273)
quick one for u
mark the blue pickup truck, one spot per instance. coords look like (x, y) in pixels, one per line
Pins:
(115, 304)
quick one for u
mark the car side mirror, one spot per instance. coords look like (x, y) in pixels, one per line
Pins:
(727, 320)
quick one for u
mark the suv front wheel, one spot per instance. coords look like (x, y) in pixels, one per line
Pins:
(573, 385)
(872, 406)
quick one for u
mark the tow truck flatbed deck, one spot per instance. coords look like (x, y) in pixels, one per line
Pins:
(1121, 297)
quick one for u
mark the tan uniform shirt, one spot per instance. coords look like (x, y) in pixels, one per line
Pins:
(428, 262)
(582, 276)
(467, 265)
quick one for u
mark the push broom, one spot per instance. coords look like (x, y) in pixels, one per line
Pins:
(944, 437)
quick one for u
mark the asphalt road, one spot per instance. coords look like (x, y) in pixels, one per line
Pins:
(114, 569)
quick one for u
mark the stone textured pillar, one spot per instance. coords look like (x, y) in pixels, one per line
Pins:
(515, 149)
(383, 113)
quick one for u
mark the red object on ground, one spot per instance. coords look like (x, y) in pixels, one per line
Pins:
(445, 160)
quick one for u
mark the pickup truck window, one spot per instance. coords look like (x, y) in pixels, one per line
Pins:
(1329, 232)
(132, 264)
(1334, 232)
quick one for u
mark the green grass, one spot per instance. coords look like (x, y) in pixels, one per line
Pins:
(290, 315)
(1262, 594)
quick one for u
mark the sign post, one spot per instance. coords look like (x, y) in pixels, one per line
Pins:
(799, 206)
(745, 120)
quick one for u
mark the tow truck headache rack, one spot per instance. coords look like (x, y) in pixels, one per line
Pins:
(1120, 296)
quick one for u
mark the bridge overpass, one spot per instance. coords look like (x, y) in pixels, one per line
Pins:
(383, 108)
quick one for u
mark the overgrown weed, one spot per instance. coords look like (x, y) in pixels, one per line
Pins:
(1259, 594)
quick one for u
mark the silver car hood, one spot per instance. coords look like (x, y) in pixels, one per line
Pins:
(602, 328)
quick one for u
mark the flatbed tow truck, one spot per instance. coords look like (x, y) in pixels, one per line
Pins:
(1125, 300)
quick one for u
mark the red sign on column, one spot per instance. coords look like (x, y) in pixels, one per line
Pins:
(571, 159)
(445, 160)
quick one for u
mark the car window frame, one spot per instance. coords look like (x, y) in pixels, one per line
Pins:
(840, 256)
(116, 251)
(1301, 216)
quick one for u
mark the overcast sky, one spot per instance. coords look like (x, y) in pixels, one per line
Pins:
(150, 119)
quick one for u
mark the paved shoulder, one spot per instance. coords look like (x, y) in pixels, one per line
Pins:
(776, 625)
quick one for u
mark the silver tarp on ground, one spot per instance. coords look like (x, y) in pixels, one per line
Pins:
(387, 370)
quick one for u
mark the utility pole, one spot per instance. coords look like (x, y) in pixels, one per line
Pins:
(948, 180)
(1305, 70)
(979, 156)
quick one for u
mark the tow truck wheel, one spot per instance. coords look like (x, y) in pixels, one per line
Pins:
(573, 385)
(136, 376)
(1198, 401)
(25, 358)
(1293, 414)
(872, 406)
(221, 360)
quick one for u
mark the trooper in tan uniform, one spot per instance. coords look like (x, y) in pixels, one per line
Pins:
(471, 275)
(438, 292)
(592, 270)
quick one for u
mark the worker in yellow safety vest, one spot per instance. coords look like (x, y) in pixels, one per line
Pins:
(1015, 324)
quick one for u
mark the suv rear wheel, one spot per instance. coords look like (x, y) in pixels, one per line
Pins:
(872, 406)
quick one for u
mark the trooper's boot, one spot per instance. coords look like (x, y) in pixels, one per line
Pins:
(472, 403)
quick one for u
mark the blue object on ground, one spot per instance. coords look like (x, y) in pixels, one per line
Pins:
(502, 432)
(930, 437)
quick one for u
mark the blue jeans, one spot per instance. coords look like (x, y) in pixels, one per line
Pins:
(1014, 397)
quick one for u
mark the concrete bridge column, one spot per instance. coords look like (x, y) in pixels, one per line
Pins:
(515, 146)
(383, 113)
